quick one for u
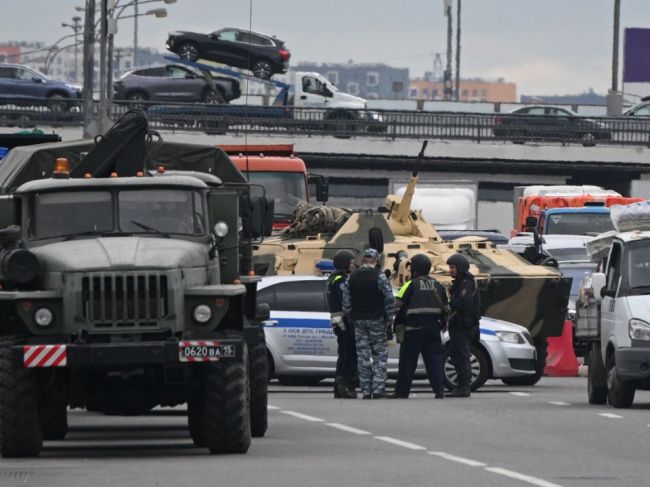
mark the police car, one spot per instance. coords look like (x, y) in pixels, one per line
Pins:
(302, 346)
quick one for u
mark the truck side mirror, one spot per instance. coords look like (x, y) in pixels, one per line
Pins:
(531, 221)
(8, 210)
(531, 254)
(262, 312)
(322, 187)
(257, 216)
(598, 284)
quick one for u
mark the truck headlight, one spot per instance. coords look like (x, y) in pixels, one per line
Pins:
(43, 317)
(510, 337)
(221, 229)
(639, 330)
(202, 313)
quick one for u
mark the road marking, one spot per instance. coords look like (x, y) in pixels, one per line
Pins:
(559, 403)
(304, 416)
(395, 441)
(349, 429)
(610, 415)
(520, 394)
(521, 476)
(454, 458)
(272, 407)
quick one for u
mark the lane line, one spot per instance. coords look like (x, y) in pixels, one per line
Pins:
(559, 403)
(349, 429)
(520, 394)
(520, 476)
(272, 407)
(454, 458)
(395, 441)
(306, 417)
(610, 415)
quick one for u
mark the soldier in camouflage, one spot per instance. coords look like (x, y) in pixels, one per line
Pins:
(368, 302)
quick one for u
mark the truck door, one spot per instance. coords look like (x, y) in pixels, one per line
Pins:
(313, 93)
(609, 318)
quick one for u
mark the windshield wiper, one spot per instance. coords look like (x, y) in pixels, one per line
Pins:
(80, 234)
(151, 229)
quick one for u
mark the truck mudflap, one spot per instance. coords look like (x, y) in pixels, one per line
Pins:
(119, 354)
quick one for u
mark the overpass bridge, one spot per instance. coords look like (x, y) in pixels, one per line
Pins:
(361, 168)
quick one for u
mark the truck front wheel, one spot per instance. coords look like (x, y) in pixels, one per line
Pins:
(226, 403)
(54, 421)
(20, 432)
(596, 376)
(620, 394)
(259, 376)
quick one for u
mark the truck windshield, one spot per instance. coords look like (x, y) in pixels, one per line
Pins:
(638, 264)
(71, 213)
(286, 188)
(578, 224)
(168, 211)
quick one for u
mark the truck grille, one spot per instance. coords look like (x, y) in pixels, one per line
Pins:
(124, 299)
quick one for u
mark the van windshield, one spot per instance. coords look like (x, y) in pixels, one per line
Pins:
(638, 264)
(578, 224)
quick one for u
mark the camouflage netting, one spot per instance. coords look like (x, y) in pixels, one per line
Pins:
(312, 220)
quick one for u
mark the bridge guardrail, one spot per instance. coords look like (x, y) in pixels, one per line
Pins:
(388, 124)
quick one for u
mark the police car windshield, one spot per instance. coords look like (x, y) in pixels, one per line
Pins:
(166, 211)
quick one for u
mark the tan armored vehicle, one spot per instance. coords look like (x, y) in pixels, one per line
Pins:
(512, 289)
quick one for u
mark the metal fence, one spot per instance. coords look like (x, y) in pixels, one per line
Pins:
(386, 124)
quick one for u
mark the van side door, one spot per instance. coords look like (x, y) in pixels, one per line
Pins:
(609, 318)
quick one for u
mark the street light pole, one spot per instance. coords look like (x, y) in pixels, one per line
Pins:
(103, 31)
(135, 33)
(617, 23)
(76, 27)
(88, 66)
(448, 89)
(458, 49)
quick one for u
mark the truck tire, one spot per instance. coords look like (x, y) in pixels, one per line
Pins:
(54, 421)
(20, 432)
(259, 389)
(196, 425)
(226, 402)
(541, 345)
(596, 376)
(619, 394)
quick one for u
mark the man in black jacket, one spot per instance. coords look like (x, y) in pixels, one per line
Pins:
(423, 310)
(464, 321)
(346, 362)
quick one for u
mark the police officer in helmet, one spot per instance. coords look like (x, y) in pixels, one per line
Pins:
(423, 310)
(368, 301)
(346, 362)
(463, 322)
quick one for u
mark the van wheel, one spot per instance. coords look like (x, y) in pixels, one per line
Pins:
(619, 394)
(596, 376)
(20, 432)
(259, 390)
(480, 369)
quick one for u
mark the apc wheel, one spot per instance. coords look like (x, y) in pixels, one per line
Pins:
(188, 51)
(226, 402)
(619, 394)
(259, 389)
(20, 432)
(596, 376)
(54, 421)
(262, 68)
(480, 367)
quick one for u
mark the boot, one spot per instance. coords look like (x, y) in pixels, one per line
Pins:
(460, 393)
(343, 390)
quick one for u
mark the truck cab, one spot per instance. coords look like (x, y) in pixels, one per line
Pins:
(314, 90)
(614, 316)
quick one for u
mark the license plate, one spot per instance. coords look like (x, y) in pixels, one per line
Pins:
(205, 351)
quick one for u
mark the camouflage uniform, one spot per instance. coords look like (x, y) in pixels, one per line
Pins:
(372, 346)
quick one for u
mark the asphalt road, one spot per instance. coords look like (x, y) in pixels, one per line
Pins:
(545, 435)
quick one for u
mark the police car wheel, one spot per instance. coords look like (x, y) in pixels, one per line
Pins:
(480, 367)
(20, 432)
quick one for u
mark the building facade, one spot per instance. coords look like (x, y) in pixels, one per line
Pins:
(470, 90)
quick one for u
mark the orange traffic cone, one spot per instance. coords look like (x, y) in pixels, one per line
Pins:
(561, 360)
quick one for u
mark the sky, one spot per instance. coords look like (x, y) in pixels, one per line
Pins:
(545, 46)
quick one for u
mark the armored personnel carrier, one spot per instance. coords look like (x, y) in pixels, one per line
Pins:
(123, 293)
(512, 289)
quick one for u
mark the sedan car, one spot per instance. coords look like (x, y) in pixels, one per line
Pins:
(263, 55)
(23, 84)
(174, 83)
(302, 346)
(543, 122)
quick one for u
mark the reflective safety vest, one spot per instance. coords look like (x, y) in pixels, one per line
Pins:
(425, 302)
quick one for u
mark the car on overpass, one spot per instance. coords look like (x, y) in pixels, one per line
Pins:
(174, 83)
(547, 122)
(263, 55)
(302, 346)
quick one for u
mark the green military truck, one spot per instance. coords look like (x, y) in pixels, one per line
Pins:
(120, 294)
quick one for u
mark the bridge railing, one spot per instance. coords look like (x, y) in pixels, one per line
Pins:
(387, 124)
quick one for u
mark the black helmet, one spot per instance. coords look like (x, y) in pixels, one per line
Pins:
(420, 265)
(343, 259)
(460, 261)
